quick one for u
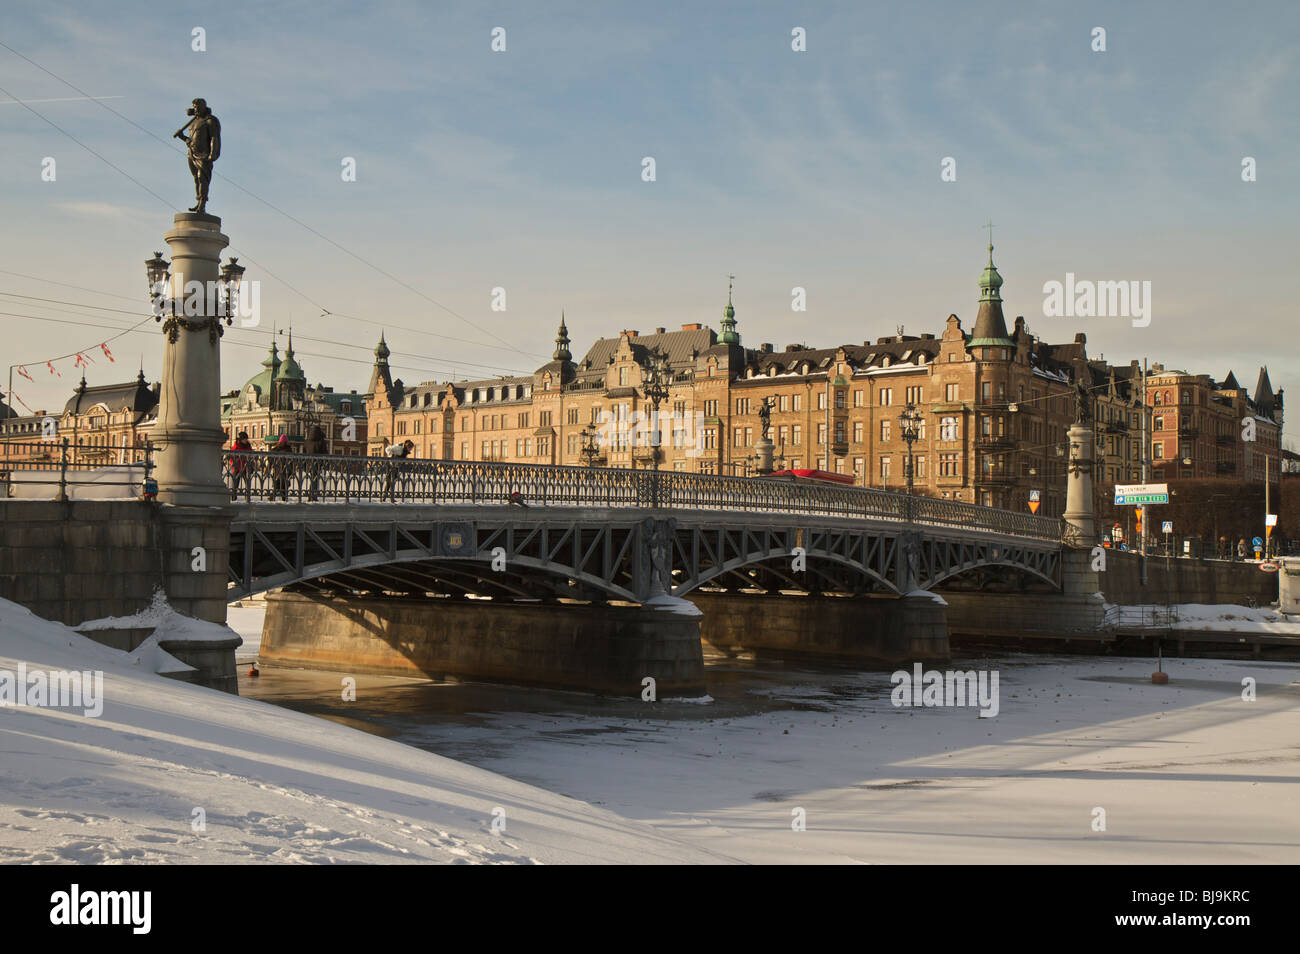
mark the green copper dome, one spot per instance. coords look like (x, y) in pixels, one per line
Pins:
(990, 280)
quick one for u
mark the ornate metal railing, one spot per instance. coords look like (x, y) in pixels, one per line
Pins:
(58, 468)
(271, 475)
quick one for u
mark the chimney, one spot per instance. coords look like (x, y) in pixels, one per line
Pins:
(1080, 338)
(695, 326)
(765, 347)
(660, 331)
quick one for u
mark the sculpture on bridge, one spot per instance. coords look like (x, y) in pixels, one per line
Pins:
(204, 146)
(765, 417)
(1082, 408)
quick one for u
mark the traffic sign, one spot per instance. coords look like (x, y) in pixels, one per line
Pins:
(1167, 527)
(1270, 520)
(1257, 542)
(1130, 494)
(1268, 567)
(1033, 501)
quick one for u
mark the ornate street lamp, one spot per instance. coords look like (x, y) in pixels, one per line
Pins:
(158, 271)
(590, 446)
(232, 274)
(654, 388)
(909, 424)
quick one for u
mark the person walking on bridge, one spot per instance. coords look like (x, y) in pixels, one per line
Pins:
(316, 444)
(280, 469)
(396, 454)
(241, 467)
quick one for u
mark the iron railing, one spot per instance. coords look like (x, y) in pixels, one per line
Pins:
(42, 469)
(274, 475)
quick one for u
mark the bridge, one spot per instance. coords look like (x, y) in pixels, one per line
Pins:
(516, 531)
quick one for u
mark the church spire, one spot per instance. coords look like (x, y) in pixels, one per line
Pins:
(729, 335)
(562, 342)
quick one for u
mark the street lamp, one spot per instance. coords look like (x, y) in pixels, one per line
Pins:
(158, 271)
(232, 274)
(909, 424)
(654, 388)
(590, 446)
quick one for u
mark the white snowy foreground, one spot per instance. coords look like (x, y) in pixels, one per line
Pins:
(272, 785)
(1188, 772)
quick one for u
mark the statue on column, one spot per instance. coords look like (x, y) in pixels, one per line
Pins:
(765, 417)
(204, 145)
(1082, 412)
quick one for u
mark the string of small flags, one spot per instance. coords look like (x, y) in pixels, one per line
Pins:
(80, 360)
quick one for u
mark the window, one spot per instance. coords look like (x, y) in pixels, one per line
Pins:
(738, 438)
(914, 395)
(1159, 424)
(857, 432)
(782, 435)
(886, 397)
(679, 408)
(948, 430)
(543, 419)
(783, 403)
(884, 431)
(622, 376)
(1187, 397)
(839, 399)
(821, 433)
(711, 408)
(986, 390)
(951, 392)
(796, 402)
(948, 465)
(857, 398)
(918, 466)
(858, 466)
(415, 427)
(821, 400)
(522, 419)
(1158, 450)
(839, 432)
(573, 415)
(884, 468)
(796, 434)
(742, 406)
(709, 436)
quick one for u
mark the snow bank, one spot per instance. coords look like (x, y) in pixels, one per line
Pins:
(267, 784)
(1223, 617)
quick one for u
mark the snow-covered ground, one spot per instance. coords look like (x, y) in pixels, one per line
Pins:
(272, 785)
(1188, 772)
(1221, 618)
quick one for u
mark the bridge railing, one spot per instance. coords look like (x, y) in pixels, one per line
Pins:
(61, 470)
(278, 475)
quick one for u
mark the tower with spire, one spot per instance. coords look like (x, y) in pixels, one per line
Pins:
(990, 326)
(562, 352)
(381, 378)
(729, 334)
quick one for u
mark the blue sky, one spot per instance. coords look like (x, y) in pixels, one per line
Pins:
(522, 170)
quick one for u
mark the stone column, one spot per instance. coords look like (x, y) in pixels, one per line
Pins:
(1078, 498)
(188, 432)
(766, 451)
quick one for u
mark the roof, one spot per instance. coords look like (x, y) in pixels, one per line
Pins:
(138, 396)
(681, 347)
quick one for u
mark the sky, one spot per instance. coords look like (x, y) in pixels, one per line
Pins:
(522, 170)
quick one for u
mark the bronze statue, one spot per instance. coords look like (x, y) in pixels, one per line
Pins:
(1082, 412)
(765, 417)
(204, 143)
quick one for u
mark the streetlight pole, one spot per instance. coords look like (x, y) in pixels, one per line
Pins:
(654, 388)
(909, 425)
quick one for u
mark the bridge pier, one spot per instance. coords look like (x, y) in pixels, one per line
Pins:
(602, 648)
(884, 630)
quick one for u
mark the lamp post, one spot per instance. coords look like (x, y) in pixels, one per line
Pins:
(590, 446)
(909, 425)
(654, 388)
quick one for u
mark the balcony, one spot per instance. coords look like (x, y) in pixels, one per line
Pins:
(996, 480)
(840, 448)
(991, 442)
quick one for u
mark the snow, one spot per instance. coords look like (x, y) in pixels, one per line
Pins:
(273, 785)
(1226, 618)
(103, 483)
(673, 604)
(926, 594)
(1187, 772)
(166, 622)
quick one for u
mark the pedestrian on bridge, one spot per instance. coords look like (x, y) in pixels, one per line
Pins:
(280, 469)
(241, 467)
(396, 453)
(316, 444)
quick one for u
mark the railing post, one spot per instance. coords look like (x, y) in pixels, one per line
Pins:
(63, 472)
